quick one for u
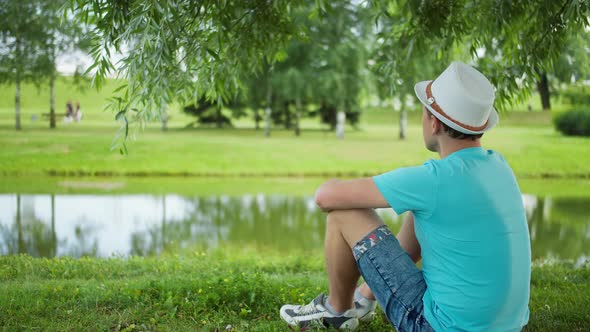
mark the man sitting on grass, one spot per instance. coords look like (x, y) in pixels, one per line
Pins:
(466, 222)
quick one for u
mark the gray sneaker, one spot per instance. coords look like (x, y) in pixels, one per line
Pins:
(365, 309)
(316, 315)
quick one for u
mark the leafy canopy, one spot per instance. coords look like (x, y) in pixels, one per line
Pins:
(182, 49)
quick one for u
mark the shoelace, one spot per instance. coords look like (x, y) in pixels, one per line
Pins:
(308, 309)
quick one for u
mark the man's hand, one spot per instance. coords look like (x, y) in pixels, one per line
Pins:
(349, 194)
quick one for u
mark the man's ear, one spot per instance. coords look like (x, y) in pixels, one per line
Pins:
(437, 126)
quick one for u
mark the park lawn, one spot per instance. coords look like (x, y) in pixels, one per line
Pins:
(232, 186)
(236, 290)
(526, 139)
(244, 289)
(533, 152)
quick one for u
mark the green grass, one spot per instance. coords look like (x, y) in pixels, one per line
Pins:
(203, 186)
(526, 139)
(84, 150)
(243, 289)
(209, 291)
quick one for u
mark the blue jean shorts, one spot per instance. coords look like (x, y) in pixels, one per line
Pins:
(393, 277)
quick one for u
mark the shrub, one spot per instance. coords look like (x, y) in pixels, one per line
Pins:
(577, 95)
(574, 122)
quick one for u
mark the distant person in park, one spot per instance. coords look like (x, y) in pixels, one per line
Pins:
(77, 112)
(69, 108)
(69, 111)
(465, 220)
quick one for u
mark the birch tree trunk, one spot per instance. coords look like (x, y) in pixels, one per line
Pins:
(164, 121)
(340, 121)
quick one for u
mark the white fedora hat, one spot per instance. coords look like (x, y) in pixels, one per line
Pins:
(461, 97)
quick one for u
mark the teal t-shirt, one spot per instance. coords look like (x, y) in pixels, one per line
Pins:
(471, 226)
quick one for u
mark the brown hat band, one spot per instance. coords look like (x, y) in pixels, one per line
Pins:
(432, 103)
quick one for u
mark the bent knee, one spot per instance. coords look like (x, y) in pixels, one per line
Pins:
(353, 216)
(353, 224)
(337, 215)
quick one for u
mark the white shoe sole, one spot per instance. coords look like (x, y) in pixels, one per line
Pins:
(351, 324)
(369, 316)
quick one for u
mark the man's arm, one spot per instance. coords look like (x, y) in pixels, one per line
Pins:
(349, 194)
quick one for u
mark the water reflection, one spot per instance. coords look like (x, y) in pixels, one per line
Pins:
(101, 225)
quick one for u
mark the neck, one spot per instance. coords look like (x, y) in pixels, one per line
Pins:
(448, 145)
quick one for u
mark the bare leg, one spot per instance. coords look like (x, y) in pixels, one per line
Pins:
(407, 240)
(344, 229)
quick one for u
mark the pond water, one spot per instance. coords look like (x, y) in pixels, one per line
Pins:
(122, 225)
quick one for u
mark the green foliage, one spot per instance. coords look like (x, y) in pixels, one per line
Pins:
(176, 51)
(578, 95)
(179, 51)
(510, 41)
(22, 39)
(212, 113)
(322, 66)
(33, 33)
(574, 122)
(573, 64)
(328, 114)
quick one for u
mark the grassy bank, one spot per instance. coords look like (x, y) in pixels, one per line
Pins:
(209, 292)
(239, 288)
(77, 150)
(526, 139)
(197, 186)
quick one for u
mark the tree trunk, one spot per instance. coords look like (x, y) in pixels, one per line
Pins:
(52, 101)
(256, 117)
(297, 116)
(52, 84)
(219, 120)
(17, 94)
(287, 116)
(17, 100)
(164, 121)
(267, 111)
(267, 121)
(543, 87)
(403, 121)
(340, 121)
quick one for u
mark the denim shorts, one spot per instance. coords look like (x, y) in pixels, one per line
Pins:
(393, 277)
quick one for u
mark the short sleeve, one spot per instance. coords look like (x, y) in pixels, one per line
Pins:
(409, 189)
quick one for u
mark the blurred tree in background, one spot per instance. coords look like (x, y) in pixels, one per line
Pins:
(22, 42)
(33, 34)
(296, 57)
(515, 43)
(188, 51)
(326, 70)
(64, 35)
(179, 50)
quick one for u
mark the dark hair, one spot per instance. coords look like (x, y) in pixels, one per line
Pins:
(457, 134)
